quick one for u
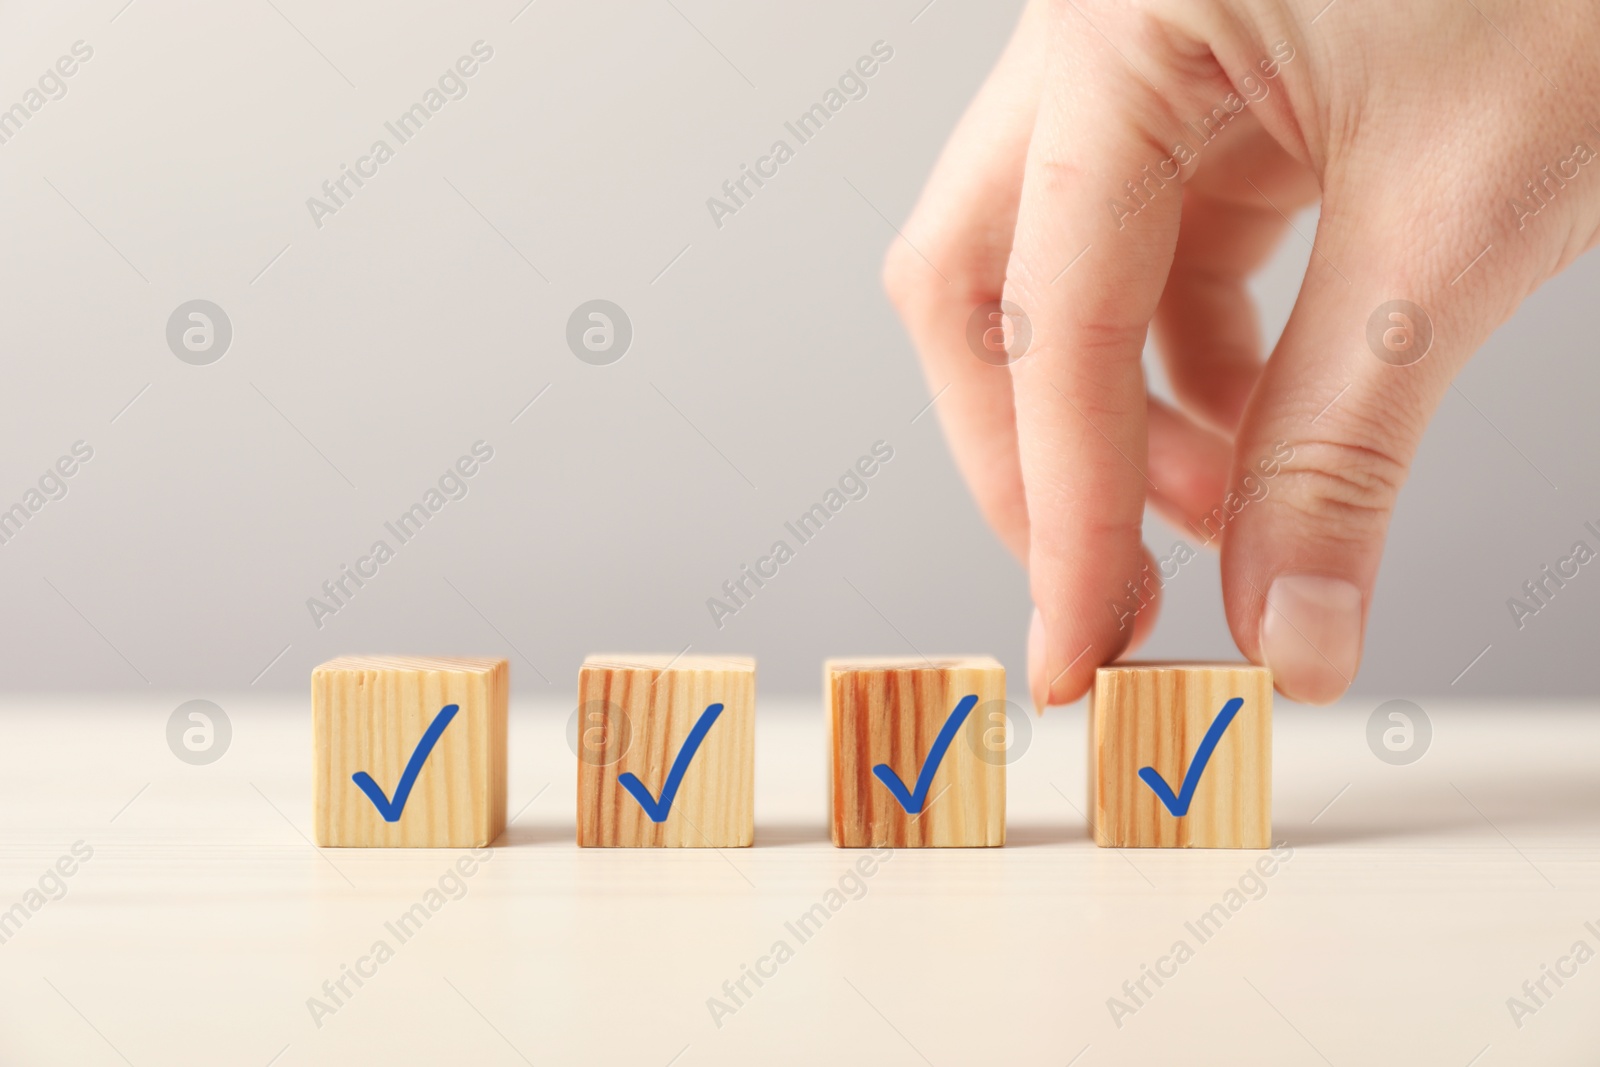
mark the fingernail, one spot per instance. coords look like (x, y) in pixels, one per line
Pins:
(1038, 665)
(1311, 636)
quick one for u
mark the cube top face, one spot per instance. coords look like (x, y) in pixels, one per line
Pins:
(1150, 666)
(613, 661)
(910, 663)
(372, 716)
(647, 720)
(893, 713)
(464, 664)
(1166, 717)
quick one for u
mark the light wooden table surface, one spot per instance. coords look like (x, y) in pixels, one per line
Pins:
(1417, 900)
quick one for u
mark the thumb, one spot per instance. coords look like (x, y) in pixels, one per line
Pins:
(1327, 441)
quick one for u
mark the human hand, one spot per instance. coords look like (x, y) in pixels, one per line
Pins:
(1128, 165)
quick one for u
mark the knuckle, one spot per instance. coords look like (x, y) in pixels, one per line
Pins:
(1090, 361)
(1104, 337)
(1344, 486)
(938, 271)
(902, 278)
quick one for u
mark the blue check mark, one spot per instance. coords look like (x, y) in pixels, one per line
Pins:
(1179, 805)
(391, 809)
(658, 810)
(914, 800)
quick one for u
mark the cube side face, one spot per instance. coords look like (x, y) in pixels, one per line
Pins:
(494, 758)
(893, 715)
(371, 719)
(1157, 716)
(635, 720)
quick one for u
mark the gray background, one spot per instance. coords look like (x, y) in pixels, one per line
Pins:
(374, 351)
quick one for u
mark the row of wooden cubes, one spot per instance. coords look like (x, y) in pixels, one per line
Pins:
(411, 751)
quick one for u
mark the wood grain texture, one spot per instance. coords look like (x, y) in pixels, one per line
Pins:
(369, 712)
(1155, 715)
(890, 711)
(634, 714)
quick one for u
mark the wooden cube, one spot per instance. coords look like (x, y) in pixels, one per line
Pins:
(666, 751)
(1180, 756)
(890, 721)
(409, 751)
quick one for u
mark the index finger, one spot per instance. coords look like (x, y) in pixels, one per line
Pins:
(1089, 279)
